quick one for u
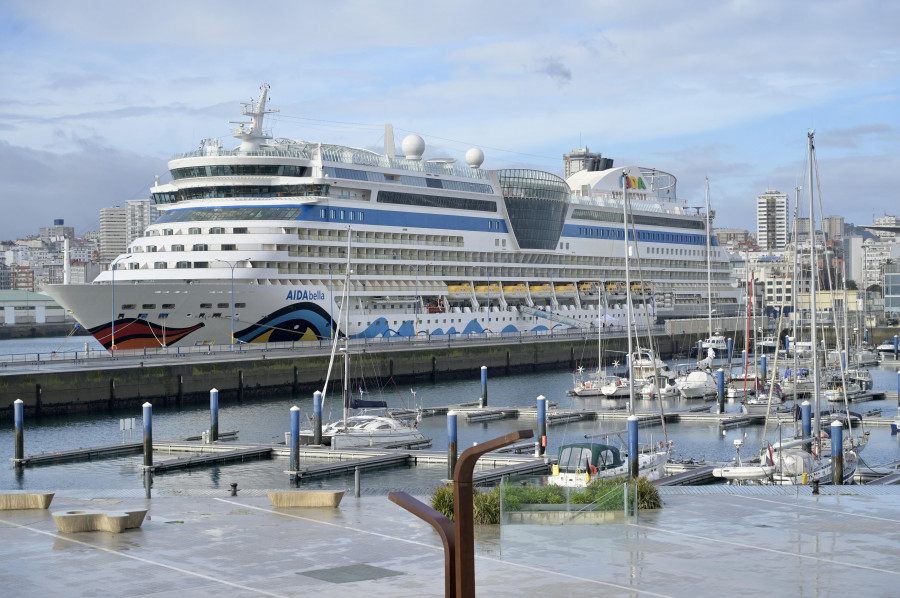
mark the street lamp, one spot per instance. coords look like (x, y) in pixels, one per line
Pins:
(416, 308)
(488, 274)
(232, 265)
(112, 321)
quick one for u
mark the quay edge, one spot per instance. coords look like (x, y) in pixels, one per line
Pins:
(128, 386)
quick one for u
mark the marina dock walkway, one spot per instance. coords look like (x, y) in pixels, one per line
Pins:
(770, 541)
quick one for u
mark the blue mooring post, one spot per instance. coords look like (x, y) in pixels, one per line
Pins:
(214, 415)
(896, 346)
(744, 359)
(451, 444)
(295, 440)
(317, 418)
(483, 401)
(148, 434)
(633, 446)
(19, 422)
(542, 425)
(762, 364)
(866, 336)
(699, 350)
(787, 345)
(730, 344)
(837, 452)
(806, 419)
(720, 382)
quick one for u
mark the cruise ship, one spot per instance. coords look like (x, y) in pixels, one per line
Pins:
(276, 238)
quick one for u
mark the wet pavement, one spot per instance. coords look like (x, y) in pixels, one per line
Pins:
(706, 541)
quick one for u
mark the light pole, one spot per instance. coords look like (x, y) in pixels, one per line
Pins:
(416, 308)
(232, 265)
(488, 274)
(112, 321)
(331, 298)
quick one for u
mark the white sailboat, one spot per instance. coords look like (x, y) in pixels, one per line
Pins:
(364, 428)
(801, 460)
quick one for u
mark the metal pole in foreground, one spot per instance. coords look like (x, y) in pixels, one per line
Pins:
(451, 444)
(317, 418)
(484, 386)
(19, 422)
(295, 439)
(148, 447)
(837, 453)
(213, 415)
(542, 425)
(356, 491)
(633, 446)
(148, 435)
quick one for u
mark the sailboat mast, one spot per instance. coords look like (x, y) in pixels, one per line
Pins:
(796, 289)
(813, 266)
(345, 308)
(708, 262)
(628, 293)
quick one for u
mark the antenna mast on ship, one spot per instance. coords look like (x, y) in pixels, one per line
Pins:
(253, 137)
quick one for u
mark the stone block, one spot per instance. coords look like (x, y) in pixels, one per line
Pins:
(25, 501)
(306, 498)
(89, 521)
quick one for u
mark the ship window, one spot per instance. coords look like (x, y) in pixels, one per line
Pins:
(206, 305)
(151, 248)
(168, 231)
(361, 215)
(342, 214)
(177, 247)
(160, 265)
(331, 214)
(128, 306)
(163, 316)
(229, 247)
(168, 306)
(201, 247)
(217, 230)
(217, 315)
(322, 213)
(148, 306)
(142, 316)
(201, 264)
(240, 230)
(240, 305)
(183, 265)
(194, 230)
(220, 305)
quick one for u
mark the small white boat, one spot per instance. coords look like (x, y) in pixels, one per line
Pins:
(697, 385)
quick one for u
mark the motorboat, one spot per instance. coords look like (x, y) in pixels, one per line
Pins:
(581, 463)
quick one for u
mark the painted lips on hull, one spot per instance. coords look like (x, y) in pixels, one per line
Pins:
(140, 334)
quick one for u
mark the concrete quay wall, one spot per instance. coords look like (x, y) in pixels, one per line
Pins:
(128, 386)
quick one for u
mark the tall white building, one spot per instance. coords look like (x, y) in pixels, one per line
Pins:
(113, 239)
(772, 220)
(141, 214)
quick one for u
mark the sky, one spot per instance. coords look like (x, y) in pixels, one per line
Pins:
(96, 96)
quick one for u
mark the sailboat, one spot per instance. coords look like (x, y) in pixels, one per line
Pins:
(801, 460)
(363, 428)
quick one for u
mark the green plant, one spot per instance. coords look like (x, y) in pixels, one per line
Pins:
(442, 500)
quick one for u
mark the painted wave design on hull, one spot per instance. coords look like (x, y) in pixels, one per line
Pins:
(296, 322)
(140, 334)
(380, 328)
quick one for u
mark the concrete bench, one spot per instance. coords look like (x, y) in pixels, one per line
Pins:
(25, 501)
(88, 521)
(306, 498)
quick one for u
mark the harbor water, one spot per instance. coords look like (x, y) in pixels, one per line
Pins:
(265, 421)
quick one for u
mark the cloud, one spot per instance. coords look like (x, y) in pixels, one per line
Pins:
(555, 69)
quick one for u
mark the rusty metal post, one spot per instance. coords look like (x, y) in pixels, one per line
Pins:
(463, 509)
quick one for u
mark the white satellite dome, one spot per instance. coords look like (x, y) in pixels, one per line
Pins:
(413, 146)
(474, 157)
